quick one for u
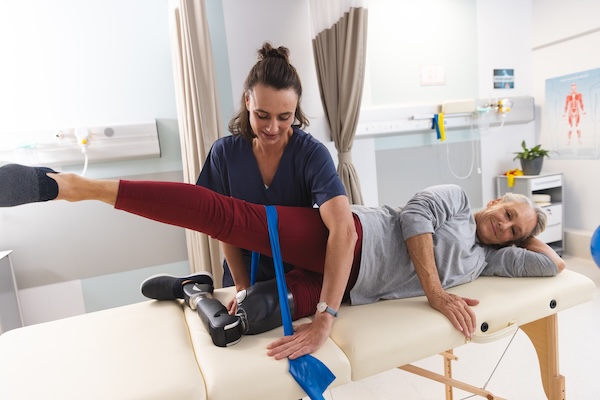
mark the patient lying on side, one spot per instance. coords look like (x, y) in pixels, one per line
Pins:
(432, 243)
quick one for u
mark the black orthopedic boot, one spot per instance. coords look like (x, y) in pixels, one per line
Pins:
(225, 330)
(258, 307)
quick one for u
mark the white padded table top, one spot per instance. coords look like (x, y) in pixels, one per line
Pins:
(245, 371)
(141, 351)
(159, 350)
(388, 334)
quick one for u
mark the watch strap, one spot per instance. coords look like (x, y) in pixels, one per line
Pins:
(324, 307)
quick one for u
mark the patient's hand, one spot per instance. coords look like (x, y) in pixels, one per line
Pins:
(457, 309)
(306, 339)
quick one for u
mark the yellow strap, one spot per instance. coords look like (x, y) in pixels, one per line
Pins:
(441, 127)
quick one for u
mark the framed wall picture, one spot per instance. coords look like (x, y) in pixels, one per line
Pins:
(572, 115)
(504, 79)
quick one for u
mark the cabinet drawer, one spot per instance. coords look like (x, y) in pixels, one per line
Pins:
(554, 214)
(546, 182)
(551, 234)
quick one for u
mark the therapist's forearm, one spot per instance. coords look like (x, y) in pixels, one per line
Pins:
(338, 264)
(237, 266)
(337, 217)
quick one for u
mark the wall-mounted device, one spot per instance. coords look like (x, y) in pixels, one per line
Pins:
(64, 147)
(460, 114)
(504, 106)
(83, 138)
(458, 106)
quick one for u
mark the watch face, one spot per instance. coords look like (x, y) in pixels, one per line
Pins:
(322, 306)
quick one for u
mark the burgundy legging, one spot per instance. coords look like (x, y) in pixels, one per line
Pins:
(302, 234)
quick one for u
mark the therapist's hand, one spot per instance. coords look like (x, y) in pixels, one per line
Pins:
(307, 338)
(457, 309)
(232, 306)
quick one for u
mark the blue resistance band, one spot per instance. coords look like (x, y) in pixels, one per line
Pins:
(255, 259)
(311, 374)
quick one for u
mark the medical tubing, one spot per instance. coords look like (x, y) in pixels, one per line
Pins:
(472, 161)
(472, 158)
(85, 164)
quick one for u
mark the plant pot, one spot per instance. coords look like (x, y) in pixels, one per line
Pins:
(532, 167)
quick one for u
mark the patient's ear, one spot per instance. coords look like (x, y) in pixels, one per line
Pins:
(493, 202)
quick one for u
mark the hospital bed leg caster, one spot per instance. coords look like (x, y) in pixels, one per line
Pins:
(225, 330)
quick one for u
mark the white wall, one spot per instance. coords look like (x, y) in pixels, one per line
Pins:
(67, 63)
(406, 35)
(283, 23)
(70, 63)
(504, 41)
(566, 36)
(243, 39)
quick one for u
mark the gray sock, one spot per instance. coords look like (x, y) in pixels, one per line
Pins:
(20, 184)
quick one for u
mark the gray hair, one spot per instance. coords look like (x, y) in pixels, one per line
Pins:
(541, 217)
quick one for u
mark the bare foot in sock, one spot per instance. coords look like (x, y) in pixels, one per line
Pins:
(20, 184)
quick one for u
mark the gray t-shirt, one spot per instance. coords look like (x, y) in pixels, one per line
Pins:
(386, 270)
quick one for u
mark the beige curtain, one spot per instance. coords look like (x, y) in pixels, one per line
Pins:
(197, 112)
(340, 45)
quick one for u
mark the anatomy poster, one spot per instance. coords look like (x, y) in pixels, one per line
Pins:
(572, 115)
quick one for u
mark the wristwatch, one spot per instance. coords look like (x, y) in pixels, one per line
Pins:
(323, 307)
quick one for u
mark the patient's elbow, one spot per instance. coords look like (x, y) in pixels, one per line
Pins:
(560, 264)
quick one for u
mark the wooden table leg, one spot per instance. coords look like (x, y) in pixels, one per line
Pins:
(448, 358)
(543, 333)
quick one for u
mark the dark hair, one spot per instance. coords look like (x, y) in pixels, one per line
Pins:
(274, 70)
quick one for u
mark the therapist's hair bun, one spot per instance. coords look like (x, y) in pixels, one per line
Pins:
(268, 50)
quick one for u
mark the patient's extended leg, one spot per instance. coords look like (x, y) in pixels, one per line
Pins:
(21, 185)
(224, 218)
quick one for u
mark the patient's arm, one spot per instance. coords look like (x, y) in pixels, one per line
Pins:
(534, 244)
(455, 308)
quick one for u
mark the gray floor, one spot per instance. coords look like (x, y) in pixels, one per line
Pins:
(517, 376)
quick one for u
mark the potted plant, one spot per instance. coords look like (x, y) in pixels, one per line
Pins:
(531, 158)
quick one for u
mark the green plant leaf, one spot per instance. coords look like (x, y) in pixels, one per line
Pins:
(532, 153)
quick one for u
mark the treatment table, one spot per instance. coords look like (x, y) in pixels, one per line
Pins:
(161, 350)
